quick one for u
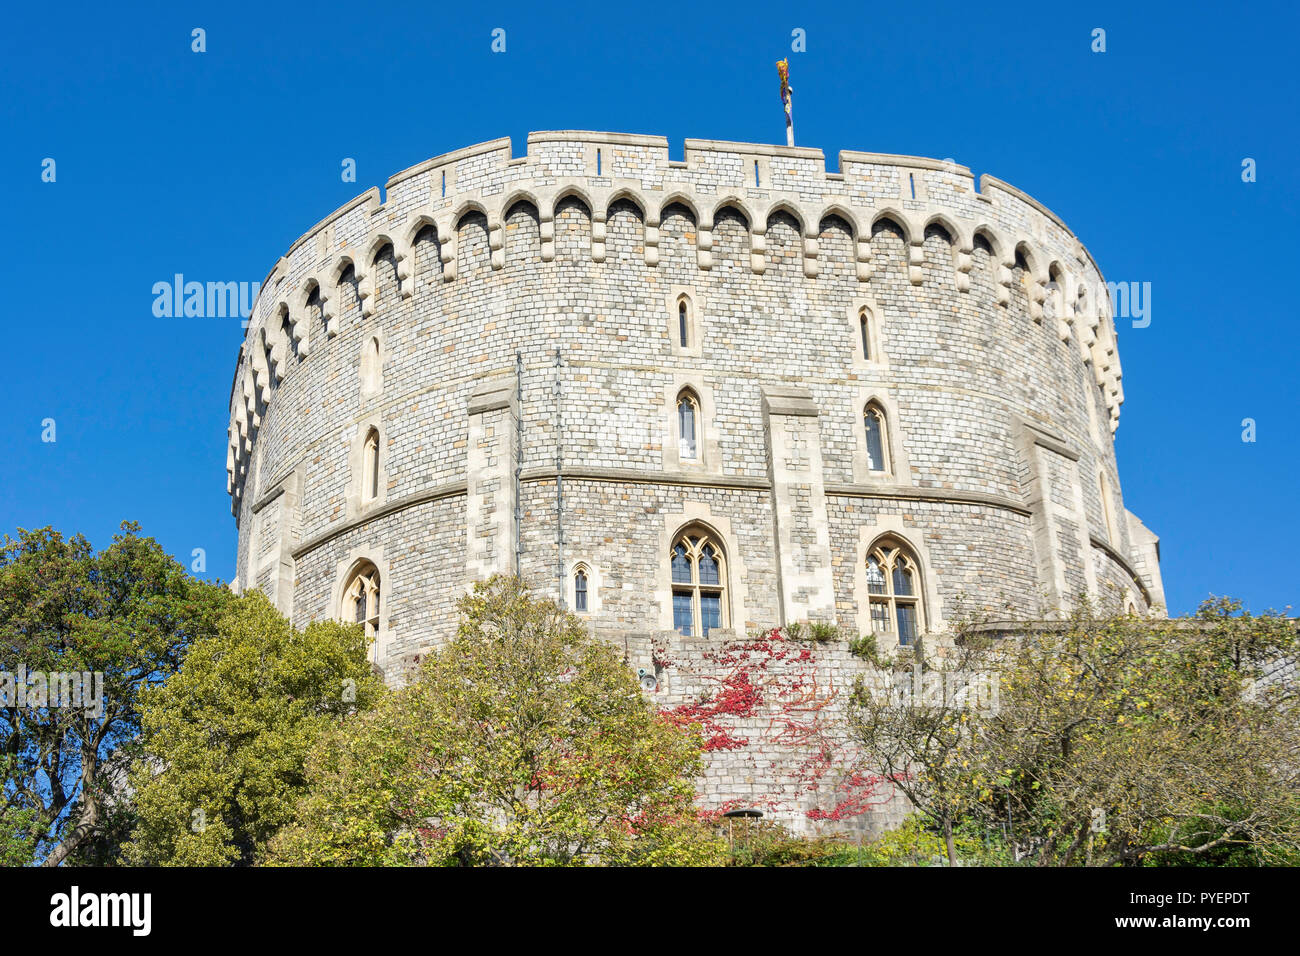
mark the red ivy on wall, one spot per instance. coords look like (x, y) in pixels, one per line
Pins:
(775, 678)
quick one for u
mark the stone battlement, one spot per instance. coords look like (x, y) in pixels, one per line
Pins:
(914, 196)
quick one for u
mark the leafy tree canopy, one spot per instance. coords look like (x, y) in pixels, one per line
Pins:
(1114, 739)
(127, 613)
(526, 740)
(225, 739)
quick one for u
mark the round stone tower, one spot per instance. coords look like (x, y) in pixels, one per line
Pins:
(691, 399)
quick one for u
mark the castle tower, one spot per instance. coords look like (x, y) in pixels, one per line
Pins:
(687, 398)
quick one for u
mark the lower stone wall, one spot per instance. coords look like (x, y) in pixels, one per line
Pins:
(774, 718)
(774, 711)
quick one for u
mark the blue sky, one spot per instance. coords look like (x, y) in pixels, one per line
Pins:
(211, 164)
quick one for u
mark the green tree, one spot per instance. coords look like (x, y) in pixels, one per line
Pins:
(17, 825)
(1121, 740)
(526, 740)
(225, 739)
(1115, 740)
(126, 613)
(919, 729)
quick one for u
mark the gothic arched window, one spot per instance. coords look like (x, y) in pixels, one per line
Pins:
(873, 420)
(699, 579)
(864, 329)
(894, 591)
(361, 599)
(684, 322)
(580, 589)
(688, 422)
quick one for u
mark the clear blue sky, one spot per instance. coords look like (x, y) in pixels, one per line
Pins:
(212, 164)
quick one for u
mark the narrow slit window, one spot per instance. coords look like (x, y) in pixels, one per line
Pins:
(370, 467)
(873, 420)
(865, 329)
(687, 430)
(580, 591)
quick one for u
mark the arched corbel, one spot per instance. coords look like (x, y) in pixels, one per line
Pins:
(810, 234)
(300, 329)
(704, 240)
(240, 435)
(365, 274)
(278, 344)
(964, 263)
(758, 247)
(250, 418)
(651, 245)
(1065, 314)
(261, 373)
(546, 229)
(349, 257)
(447, 248)
(327, 316)
(598, 232)
(1004, 280)
(404, 253)
(496, 243)
(916, 260)
(1037, 296)
(415, 224)
(862, 255)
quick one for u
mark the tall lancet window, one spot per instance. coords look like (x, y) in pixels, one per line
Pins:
(370, 467)
(683, 324)
(688, 415)
(580, 590)
(873, 420)
(864, 329)
(699, 578)
(894, 591)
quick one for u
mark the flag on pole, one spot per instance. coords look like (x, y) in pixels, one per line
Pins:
(787, 97)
